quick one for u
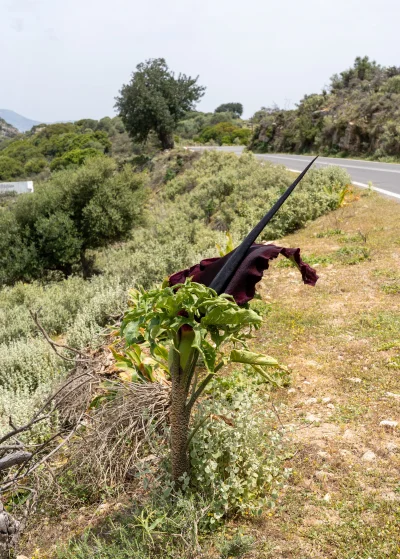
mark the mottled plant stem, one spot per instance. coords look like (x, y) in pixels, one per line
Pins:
(179, 416)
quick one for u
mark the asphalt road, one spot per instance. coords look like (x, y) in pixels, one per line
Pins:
(385, 177)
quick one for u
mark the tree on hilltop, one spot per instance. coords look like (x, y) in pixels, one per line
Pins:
(235, 108)
(155, 100)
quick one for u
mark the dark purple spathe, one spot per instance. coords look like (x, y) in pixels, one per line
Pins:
(243, 284)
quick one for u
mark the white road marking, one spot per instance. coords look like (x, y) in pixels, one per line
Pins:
(360, 184)
(363, 185)
(336, 164)
(381, 190)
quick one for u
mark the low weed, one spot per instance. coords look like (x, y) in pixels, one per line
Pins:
(353, 255)
(392, 288)
(311, 259)
(329, 233)
(235, 456)
(260, 307)
(358, 237)
(368, 528)
(236, 546)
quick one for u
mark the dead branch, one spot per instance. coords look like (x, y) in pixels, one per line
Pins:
(53, 344)
(14, 459)
(16, 430)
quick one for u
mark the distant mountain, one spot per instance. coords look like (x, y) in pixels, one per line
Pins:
(6, 130)
(20, 122)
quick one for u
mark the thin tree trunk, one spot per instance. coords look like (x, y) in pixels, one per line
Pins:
(179, 417)
(166, 139)
(88, 266)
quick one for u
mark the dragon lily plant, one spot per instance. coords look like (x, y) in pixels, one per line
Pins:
(202, 312)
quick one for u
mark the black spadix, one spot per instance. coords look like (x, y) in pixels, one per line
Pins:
(224, 276)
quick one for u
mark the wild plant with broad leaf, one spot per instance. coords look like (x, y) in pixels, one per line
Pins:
(202, 312)
(178, 325)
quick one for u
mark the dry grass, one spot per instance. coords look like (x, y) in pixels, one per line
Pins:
(342, 342)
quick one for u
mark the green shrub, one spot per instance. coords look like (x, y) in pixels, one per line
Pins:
(9, 168)
(235, 108)
(238, 546)
(63, 306)
(22, 151)
(194, 122)
(75, 211)
(79, 309)
(61, 146)
(225, 133)
(35, 166)
(74, 157)
(358, 116)
(232, 193)
(28, 364)
(235, 456)
(18, 257)
(57, 241)
(392, 85)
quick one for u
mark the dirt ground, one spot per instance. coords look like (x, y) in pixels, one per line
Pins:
(342, 342)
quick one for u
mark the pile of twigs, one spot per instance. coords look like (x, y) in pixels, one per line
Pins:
(121, 433)
(103, 443)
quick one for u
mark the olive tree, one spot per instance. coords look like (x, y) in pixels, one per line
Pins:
(155, 100)
(235, 108)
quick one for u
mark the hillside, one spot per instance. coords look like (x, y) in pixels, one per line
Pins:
(20, 122)
(146, 418)
(53, 147)
(358, 116)
(132, 228)
(7, 130)
(339, 340)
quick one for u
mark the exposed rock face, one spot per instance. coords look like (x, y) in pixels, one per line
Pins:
(6, 130)
(358, 115)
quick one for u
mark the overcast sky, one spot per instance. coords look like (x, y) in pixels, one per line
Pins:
(67, 59)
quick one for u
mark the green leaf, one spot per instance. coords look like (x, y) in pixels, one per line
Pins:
(207, 351)
(98, 400)
(160, 352)
(250, 358)
(220, 316)
(131, 332)
(209, 355)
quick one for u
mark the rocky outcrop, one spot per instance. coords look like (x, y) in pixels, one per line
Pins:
(6, 130)
(358, 115)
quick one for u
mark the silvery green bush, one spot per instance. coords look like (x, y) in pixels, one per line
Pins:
(232, 193)
(235, 455)
(27, 364)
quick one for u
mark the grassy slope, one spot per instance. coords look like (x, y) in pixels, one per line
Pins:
(337, 504)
